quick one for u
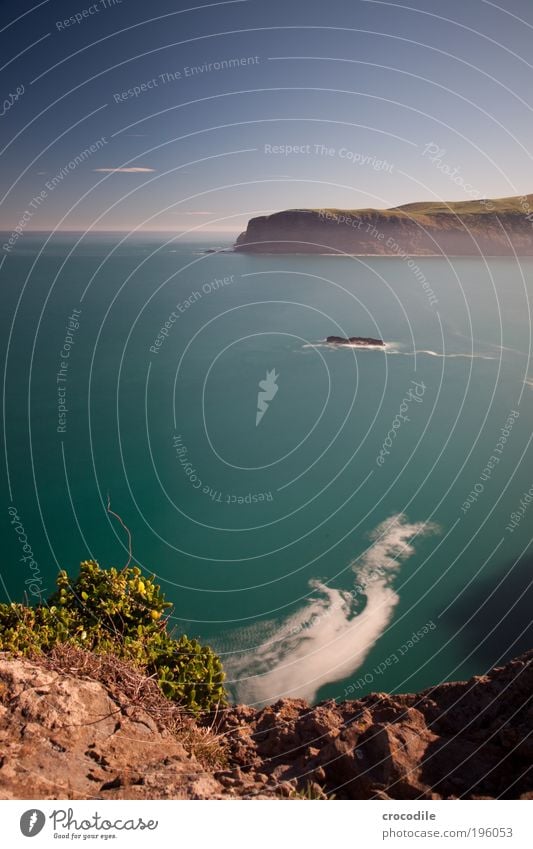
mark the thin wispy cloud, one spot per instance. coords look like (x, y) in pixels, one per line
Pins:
(123, 170)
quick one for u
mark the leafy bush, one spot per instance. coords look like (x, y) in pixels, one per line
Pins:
(119, 613)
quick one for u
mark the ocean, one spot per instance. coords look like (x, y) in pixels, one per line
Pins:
(333, 520)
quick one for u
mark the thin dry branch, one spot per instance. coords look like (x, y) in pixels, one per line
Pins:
(112, 513)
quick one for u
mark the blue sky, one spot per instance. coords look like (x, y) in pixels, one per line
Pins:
(347, 103)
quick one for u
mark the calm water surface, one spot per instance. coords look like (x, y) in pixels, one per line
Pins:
(371, 501)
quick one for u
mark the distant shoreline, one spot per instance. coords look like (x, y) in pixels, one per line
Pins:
(502, 227)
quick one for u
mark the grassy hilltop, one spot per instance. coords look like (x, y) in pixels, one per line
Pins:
(501, 227)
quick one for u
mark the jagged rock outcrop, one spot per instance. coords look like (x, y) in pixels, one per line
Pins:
(67, 736)
(499, 227)
(62, 736)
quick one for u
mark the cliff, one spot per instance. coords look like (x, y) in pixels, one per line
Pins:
(83, 727)
(500, 227)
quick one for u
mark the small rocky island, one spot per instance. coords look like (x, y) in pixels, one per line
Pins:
(359, 341)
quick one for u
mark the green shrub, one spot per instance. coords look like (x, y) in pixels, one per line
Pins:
(119, 613)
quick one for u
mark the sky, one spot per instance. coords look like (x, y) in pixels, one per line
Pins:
(183, 117)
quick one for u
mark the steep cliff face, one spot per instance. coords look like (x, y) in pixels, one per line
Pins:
(97, 730)
(492, 228)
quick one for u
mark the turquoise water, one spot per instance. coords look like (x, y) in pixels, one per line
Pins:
(303, 554)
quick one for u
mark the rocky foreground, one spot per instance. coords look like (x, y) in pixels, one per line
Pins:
(502, 227)
(73, 727)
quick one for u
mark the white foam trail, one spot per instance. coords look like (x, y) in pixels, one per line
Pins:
(330, 637)
(445, 356)
(392, 348)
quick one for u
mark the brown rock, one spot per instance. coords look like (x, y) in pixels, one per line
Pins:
(81, 738)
